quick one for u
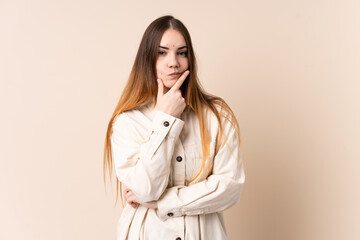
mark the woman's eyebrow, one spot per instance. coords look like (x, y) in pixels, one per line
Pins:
(168, 48)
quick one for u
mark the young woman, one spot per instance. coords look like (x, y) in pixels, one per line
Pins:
(175, 148)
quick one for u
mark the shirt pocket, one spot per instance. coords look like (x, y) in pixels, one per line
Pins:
(194, 159)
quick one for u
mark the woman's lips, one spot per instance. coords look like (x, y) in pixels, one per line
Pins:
(174, 74)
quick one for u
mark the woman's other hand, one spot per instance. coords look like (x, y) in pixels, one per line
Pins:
(129, 197)
(134, 202)
(171, 102)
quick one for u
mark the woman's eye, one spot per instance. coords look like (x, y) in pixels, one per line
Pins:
(161, 52)
(183, 53)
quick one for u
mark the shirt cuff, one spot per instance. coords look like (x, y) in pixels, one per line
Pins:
(168, 205)
(166, 123)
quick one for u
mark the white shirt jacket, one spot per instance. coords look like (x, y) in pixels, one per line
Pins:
(156, 155)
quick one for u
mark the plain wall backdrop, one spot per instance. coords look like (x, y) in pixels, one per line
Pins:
(289, 70)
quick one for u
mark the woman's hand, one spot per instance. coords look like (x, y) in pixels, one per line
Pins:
(172, 101)
(130, 197)
(134, 202)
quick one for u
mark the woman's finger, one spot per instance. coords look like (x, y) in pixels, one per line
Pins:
(131, 198)
(160, 88)
(128, 196)
(180, 81)
(126, 189)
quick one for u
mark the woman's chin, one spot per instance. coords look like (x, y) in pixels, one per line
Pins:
(170, 83)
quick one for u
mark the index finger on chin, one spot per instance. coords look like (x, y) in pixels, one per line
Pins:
(180, 81)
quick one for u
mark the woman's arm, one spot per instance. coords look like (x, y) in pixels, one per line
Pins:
(218, 192)
(144, 167)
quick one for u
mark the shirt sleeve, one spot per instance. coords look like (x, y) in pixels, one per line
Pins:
(218, 192)
(143, 165)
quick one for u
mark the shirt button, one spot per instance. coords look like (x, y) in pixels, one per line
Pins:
(179, 238)
(166, 123)
(179, 158)
(170, 214)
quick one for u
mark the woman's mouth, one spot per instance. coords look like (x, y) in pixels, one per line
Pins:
(175, 74)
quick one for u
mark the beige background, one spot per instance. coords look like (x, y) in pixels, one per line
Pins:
(289, 70)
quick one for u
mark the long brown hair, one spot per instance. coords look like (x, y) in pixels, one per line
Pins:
(141, 88)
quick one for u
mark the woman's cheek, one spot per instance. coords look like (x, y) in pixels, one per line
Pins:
(160, 75)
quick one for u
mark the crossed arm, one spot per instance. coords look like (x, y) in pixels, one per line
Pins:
(218, 192)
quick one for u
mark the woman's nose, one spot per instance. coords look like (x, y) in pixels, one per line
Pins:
(173, 61)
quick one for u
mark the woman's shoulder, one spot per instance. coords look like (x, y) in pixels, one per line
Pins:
(131, 124)
(130, 117)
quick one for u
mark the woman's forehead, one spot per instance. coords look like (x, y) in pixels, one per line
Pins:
(172, 39)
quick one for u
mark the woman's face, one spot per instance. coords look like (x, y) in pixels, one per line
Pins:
(172, 58)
